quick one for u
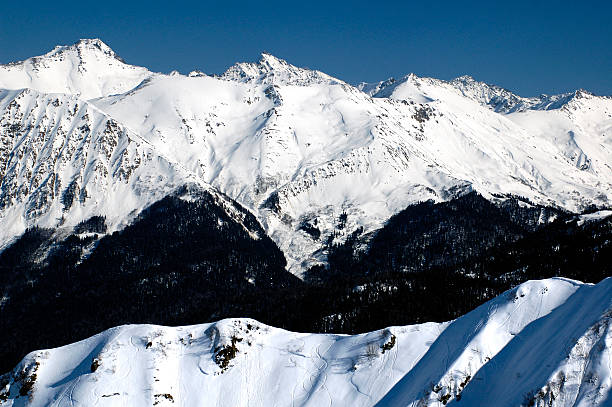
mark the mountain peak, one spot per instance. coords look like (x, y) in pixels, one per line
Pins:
(86, 49)
(273, 70)
(94, 44)
(272, 61)
(373, 88)
(465, 78)
(88, 68)
(91, 42)
(583, 93)
(468, 80)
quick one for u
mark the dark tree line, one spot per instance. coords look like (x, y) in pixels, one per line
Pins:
(186, 262)
(435, 262)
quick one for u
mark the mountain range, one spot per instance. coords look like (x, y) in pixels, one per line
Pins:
(284, 194)
(291, 145)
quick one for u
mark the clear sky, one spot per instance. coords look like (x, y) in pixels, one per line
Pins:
(529, 47)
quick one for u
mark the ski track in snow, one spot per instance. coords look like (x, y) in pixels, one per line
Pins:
(276, 367)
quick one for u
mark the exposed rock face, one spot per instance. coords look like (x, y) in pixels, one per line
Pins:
(63, 160)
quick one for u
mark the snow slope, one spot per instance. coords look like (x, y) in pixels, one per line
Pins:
(62, 161)
(297, 147)
(545, 341)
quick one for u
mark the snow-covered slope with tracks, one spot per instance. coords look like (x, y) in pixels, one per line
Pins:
(545, 342)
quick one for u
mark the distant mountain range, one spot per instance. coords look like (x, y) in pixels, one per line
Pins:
(289, 144)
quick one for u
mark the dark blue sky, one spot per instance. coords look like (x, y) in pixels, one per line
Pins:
(530, 47)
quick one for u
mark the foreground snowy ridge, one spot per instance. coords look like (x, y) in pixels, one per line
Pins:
(294, 146)
(543, 343)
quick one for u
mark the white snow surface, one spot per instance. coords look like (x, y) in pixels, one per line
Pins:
(294, 145)
(89, 68)
(595, 216)
(548, 342)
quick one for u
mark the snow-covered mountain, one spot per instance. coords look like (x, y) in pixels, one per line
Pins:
(271, 70)
(297, 147)
(504, 101)
(89, 68)
(543, 343)
(494, 97)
